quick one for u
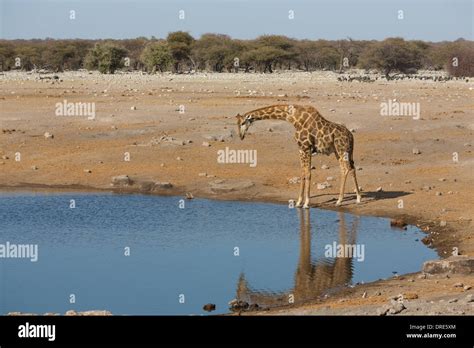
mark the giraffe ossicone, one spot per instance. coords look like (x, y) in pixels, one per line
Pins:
(314, 134)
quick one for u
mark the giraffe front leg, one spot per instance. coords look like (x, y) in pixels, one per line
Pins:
(344, 172)
(308, 184)
(299, 202)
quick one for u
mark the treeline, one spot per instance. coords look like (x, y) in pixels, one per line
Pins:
(180, 52)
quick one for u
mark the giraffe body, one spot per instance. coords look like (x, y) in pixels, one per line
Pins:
(314, 134)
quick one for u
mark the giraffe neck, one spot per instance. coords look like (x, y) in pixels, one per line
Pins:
(274, 112)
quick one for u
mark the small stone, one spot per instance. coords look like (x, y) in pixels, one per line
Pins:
(179, 158)
(364, 295)
(322, 185)
(5, 157)
(441, 179)
(467, 287)
(189, 195)
(422, 276)
(87, 171)
(400, 223)
(34, 167)
(133, 108)
(329, 178)
(162, 165)
(443, 223)
(453, 300)
(48, 135)
(205, 143)
(438, 193)
(324, 166)
(209, 307)
(378, 189)
(458, 285)
(397, 308)
(202, 174)
(294, 180)
(416, 151)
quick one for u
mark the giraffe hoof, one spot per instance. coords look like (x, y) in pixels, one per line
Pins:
(298, 205)
(338, 203)
(306, 206)
(358, 199)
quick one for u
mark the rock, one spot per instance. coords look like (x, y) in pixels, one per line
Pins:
(441, 179)
(364, 295)
(443, 223)
(162, 185)
(399, 223)
(34, 167)
(294, 180)
(458, 285)
(453, 300)
(461, 264)
(202, 174)
(237, 305)
(179, 158)
(5, 157)
(48, 135)
(87, 171)
(323, 185)
(410, 295)
(228, 135)
(382, 311)
(467, 287)
(378, 189)
(324, 166)
(329, 178)
(205, 143)
(396, 308)
(416, 151)
(121, 180)
(133, 108)
(438, 193)
(189, 195)
(224, 186)
(146, 186)
(422, 276)
(209, 307)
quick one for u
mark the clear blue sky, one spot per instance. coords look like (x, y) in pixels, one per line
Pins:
(431, 20)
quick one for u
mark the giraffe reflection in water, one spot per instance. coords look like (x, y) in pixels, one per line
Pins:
(312, 279)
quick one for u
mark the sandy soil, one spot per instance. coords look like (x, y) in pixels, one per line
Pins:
(134, 111)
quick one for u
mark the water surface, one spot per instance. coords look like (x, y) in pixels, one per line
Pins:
(210, 252)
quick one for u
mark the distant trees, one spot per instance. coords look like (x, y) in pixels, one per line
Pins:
(393, 54)
(180, 52)
(105, 57)
(157, 56)
(180, 44)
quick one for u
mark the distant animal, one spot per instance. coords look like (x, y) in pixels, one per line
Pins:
(314, 134)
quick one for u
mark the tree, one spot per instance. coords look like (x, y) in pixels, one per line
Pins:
(393, 54)
(157, 55)
(106, 57)
(215, 52)
(180, 44)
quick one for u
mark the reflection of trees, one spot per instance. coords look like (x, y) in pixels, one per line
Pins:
(311, 279)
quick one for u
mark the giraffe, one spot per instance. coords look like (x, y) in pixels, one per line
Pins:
(314, 134)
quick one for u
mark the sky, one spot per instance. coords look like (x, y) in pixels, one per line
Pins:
(429, 20)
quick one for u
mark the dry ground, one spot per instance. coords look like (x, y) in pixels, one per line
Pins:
(87, 153)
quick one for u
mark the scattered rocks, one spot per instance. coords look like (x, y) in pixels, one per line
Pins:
(209, 307)
(294, 180)
(323, 185)
(238, 305)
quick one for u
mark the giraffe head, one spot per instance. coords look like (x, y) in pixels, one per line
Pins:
(243, 123)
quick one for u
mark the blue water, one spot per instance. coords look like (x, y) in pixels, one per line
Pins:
(188, 251)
